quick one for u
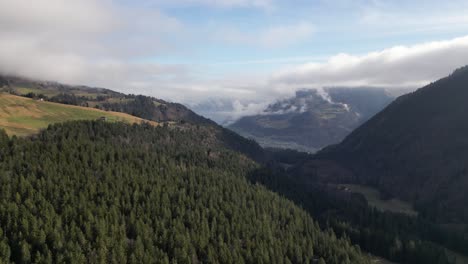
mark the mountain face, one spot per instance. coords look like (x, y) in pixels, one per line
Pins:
(313, 119)
(138, 105)
(101, 192)
(148, 108)
(416, 149)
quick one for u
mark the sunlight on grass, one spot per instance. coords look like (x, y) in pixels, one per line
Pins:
(23, 116)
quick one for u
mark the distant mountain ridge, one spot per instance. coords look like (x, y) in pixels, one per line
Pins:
(313, 118)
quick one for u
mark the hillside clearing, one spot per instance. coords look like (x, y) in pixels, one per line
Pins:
(23, 116)
(374, 199)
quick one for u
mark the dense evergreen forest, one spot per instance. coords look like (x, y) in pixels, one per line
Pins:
(416, 149)
(397, 237)
(98, 192)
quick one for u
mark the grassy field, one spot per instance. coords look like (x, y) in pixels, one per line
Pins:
(23, 116)
(373, 198)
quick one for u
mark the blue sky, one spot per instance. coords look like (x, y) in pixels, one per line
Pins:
(227, 35)
(250, 52)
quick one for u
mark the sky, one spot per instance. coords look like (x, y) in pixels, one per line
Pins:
(247, 52)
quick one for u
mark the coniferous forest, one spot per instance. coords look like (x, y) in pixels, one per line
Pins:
(99, 192)
(395, 236)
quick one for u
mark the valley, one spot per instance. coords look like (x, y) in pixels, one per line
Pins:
(313, 118)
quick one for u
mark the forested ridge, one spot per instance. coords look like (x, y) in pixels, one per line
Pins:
(145, 107)
(416, 149)
(98, 192)
(397, 237)
(142, 106)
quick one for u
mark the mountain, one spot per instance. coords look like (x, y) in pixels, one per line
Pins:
(412, 155)
(102, 192)
(176, 190)
(138, 105)
(179, 190)
(313, 119)
(416, 149)
(143, 107)
(25, 116)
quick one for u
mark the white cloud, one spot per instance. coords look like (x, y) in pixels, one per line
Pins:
(412, 17)
(83, 42)
(397, 67)
(241, 109)
(82, 16)
(272, 37)
(394, 67)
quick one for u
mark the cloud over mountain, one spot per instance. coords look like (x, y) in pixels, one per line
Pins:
(394, 67)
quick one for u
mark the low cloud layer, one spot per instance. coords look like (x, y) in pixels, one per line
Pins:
(401, 66)
(92, 42)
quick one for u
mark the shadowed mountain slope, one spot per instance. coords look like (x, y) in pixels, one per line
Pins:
(416, 149)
